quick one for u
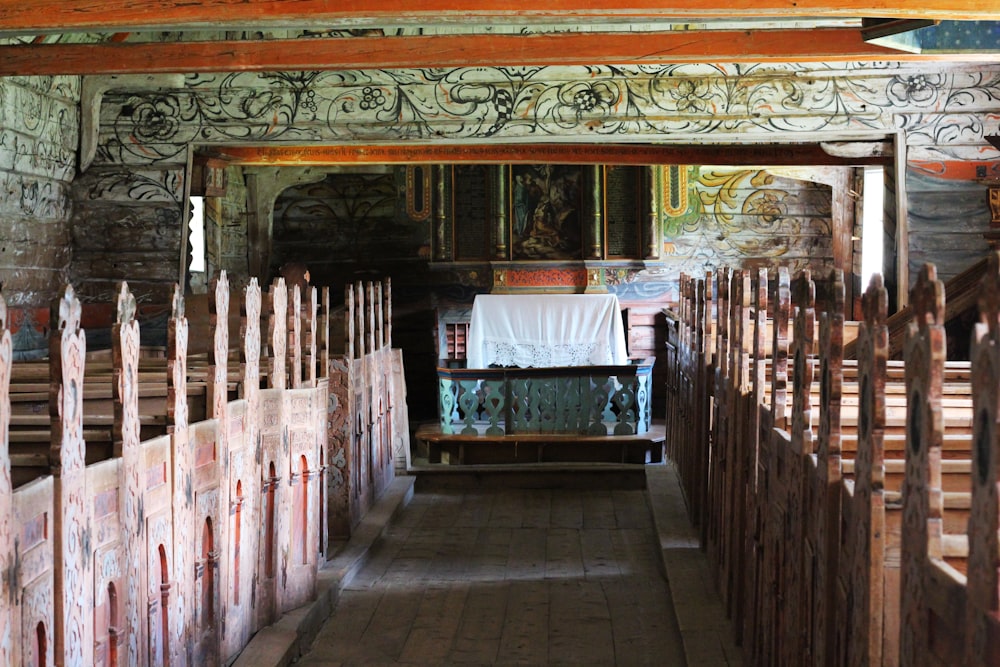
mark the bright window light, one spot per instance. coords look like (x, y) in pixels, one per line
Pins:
(872, 229)
(197, 228)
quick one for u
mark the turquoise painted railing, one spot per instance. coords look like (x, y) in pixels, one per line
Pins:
(585, 400)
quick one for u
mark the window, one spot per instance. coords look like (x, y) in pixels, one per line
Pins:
(195, 261)
(872, 227)
(197, 234)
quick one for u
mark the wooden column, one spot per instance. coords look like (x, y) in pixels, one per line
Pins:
(596, 237)
(652, 231)
(441, 250)
(501, 250)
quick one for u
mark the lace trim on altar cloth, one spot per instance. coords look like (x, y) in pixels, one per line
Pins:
(526, 355)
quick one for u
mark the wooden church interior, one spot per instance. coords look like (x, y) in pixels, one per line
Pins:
(190, 426)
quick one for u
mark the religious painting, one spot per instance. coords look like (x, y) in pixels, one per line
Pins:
(546, 212)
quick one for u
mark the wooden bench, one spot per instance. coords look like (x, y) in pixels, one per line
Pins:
(798, 482)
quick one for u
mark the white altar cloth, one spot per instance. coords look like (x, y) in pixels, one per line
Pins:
(546, 330)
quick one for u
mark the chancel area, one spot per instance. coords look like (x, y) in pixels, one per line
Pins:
(463, 318)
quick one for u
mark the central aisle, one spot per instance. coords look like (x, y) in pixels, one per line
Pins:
(509, 576)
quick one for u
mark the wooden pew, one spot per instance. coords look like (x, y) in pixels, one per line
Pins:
(30, 387)
(809, 500)
(982, 594)
(934, 629)
(718, 467)
(817, 564)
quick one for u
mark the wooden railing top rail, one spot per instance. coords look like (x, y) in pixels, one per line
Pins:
(961, 293)
(635, 367)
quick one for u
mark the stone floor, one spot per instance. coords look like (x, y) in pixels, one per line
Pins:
(488, 575)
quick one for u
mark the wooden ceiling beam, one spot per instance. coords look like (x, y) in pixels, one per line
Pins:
(821, 45)
(758, 155)
(125, 15)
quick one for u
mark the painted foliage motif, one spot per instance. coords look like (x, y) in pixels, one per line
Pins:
(943, 110)
(723, 215)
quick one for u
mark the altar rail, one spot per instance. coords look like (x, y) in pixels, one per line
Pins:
(584, 400)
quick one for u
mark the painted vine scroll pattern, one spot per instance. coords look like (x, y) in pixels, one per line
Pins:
(938, 108)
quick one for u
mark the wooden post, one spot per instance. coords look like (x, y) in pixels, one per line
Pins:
(312, 305)
(501, 250)
(597, 203)
(371, 322)
(756, 501)
(653, 223)
(922, 497)
(717, 472)
(360, 307)
(277, 334)
(294, 346)
(73, 566)
(824, 522)
(862, 593)
(388, 312)
(703, 419)
(7, 537)
(183, 462)
(379, 317)
(250, 309)
(441, 215)
(324, 332)
(982, 644)
(125, 391)
(779, 350)
(349, 322)
(802, 446)
(218, 308)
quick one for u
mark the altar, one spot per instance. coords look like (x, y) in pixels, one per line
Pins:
(547, 377)
(545, 331)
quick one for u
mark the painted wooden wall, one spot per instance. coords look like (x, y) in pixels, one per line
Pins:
(126, 210)
(145, 137)
(39, 135)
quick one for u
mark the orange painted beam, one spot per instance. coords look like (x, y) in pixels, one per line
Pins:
(955, 170)
(119, 15)
(569, 153)
(821, 45)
